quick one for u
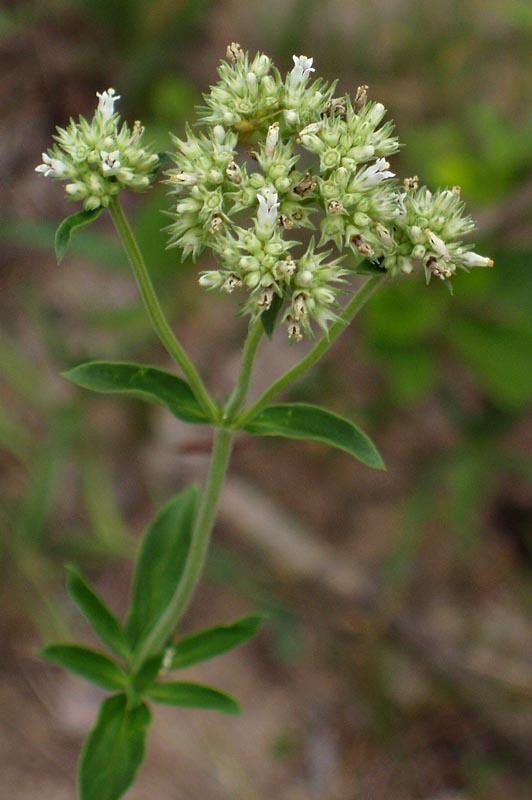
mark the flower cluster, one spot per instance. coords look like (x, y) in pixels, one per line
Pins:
(245, 205)
(99, 158)
(274, 156)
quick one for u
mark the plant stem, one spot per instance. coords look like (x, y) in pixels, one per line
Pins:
(352, 308)
(204, 521)
(167, 622)
(221, 454)
(240, 391)
(156, 314)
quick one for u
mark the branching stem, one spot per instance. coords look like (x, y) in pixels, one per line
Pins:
(352, 308)
(225, 427)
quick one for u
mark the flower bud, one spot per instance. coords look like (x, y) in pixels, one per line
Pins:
(471, 259)
(272, 138)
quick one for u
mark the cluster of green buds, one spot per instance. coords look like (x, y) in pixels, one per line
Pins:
(242, 193)
(101, 157)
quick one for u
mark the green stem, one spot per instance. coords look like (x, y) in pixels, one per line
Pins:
(204, 521)
(358, 300)
(201, 531)
(240, 391)
(156, 314)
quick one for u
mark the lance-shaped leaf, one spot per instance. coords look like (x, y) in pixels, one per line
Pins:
(303, 421)
(68, 226)
(160, 564)
(93, 666)
(136, 380)
(114, 750)
(102, 621)
(213, 642)
(193, 695)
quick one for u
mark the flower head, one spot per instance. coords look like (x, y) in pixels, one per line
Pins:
(248, 208)
(99, 158)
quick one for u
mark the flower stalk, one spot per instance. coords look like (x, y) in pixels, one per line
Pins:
(357, 302)
(155, 312)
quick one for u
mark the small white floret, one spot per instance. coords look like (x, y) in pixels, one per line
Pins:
(300, 71)
(272, 137)
(374, 174)
(438, 245)
(268, 207)
(110, 162)
(106, 102)
(471, 259)
(51, 167)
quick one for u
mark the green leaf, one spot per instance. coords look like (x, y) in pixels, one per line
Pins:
(136, 380)
(160, 564)
(213, 642)
(89, 664)
(303, 421)
(114, 750)
(102, 621)
(269, 317)
(193, 695)
(68, 226)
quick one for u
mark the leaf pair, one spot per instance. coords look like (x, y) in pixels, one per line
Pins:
(291, 420)
(115, 747)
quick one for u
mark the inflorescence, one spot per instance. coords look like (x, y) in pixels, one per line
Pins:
(100, 158)
(275, 155)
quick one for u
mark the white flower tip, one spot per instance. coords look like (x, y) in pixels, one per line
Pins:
(106, 102)
(471, 259)
(301, 70)
(304, 62)
(268, 207)
(272, 137)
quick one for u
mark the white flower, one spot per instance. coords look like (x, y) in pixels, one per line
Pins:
(301, 71)
(110, 162)
(376, 114)
(309, 130)
(272, 137)
(51, 167)
(471, 259)
(268, 207)
(184, 179)
(373, 175)
(106, 102)
(438, 245)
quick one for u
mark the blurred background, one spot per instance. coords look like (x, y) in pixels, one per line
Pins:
(396, 661)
